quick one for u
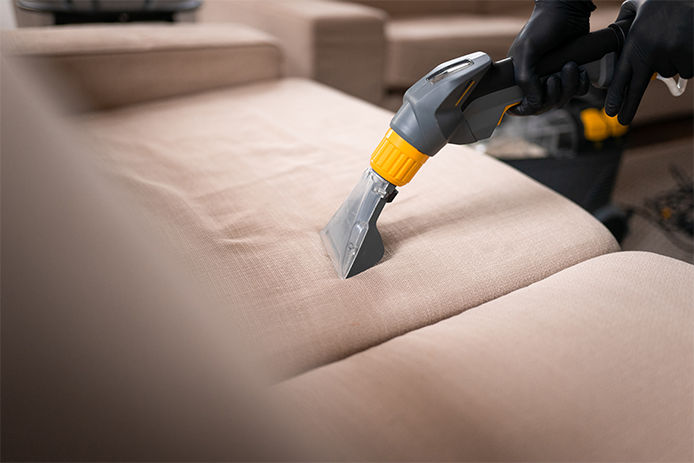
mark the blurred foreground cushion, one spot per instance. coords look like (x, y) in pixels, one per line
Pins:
(247, 177)
(110, 351)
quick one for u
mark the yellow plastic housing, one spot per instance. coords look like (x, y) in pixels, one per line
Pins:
(598, 126)
(396, 160)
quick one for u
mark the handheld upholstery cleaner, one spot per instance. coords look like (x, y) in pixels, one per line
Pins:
(460, 101)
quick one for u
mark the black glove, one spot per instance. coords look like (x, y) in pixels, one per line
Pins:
(659, 40)
(552, 24)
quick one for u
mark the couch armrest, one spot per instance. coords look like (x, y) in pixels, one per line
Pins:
(115, 65)
(336, 43)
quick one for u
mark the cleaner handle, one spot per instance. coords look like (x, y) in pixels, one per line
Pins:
(586, 49)
(463, 100)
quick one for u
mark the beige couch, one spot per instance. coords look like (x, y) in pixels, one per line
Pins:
(155, 251)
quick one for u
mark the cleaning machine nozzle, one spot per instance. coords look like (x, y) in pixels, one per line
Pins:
(351, 237)
(460, 101)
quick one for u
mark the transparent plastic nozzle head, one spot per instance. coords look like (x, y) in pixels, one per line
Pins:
(351, 237)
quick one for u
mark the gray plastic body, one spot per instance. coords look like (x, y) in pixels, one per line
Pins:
(431, 115)
(448, 105)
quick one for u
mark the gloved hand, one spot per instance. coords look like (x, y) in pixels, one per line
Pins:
(660, 40)
(553, 23)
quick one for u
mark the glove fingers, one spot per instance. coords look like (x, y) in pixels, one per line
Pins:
(569, 82)
(632, 98)
(553, 91)
(667, 69)
(583, 82)
(615, 94)
(557, 90)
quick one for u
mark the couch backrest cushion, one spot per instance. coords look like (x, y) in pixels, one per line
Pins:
(340, 44)
(398, 8)
(115, 65)
(408, 8)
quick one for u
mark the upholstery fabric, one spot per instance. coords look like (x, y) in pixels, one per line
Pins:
(591, 364)
(247, 177)
(116, 65)
(339, 44)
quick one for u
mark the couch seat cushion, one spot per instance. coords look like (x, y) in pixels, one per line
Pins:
(591, 364)
(246, 177)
